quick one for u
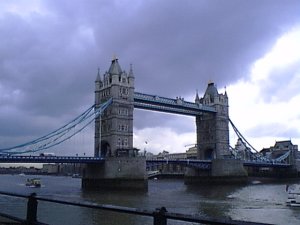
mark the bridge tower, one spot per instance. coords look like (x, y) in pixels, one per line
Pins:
(213, 129)
(114, 130)
(122, 168)
(213, 142)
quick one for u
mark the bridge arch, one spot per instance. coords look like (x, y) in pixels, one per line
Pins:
(209, 153)
(105, 149)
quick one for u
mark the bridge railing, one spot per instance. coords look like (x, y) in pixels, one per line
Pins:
(160, 215)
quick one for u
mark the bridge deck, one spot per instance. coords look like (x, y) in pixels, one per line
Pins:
(169, 105)
(201, 164)
(50, 159)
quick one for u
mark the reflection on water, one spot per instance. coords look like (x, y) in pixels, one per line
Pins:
(259, 202)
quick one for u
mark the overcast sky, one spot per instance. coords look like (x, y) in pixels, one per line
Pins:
(50, 52)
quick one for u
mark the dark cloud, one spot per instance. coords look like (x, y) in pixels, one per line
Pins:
(49, 58)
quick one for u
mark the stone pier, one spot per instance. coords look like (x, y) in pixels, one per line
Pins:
(121, 173)
(222, 171)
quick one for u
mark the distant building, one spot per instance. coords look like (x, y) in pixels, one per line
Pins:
(50, 168)
(170, 168)
(162, 155)
(241, 150)
(279, 149)
(192, 153)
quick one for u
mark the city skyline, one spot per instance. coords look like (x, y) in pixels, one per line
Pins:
(51, 52)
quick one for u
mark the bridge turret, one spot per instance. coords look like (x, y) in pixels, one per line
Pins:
(115, 72)
(117, 122)
(98, 81)
(197, 99)
(131, 77)
(213, 129)
(98, 85)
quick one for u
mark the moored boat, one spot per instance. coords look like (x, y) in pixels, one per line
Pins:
(293, 195)
(33, 182)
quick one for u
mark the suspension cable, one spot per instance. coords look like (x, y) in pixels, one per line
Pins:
(61, 134)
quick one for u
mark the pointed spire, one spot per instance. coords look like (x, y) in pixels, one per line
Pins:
(115, 67)
(197, 99)
(98, 79)
(130, 71)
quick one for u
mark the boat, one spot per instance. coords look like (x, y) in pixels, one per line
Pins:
(76, 175)
(33, 182)
(293, 195)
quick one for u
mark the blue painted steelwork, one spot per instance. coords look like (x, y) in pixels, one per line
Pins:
(50, 159)
(200, 164)
(60, 135)
(266, 164)
(169, 105)
(206, 164)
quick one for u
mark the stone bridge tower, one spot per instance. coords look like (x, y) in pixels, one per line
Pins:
(114, 129)
(122, 169)
(212, 129)
(213, 142)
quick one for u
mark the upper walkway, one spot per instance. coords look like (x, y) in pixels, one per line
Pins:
(169, 105)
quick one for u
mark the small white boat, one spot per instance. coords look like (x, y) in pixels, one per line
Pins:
(76, 175)
(34, 182)
(293, 195)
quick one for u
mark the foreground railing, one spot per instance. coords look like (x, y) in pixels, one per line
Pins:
(160, 216)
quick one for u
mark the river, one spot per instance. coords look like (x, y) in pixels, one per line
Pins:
(256, 201)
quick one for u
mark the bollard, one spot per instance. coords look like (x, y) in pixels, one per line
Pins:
(159, 216)
(31, 209)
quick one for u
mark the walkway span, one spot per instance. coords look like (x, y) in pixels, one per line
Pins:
(169, 105)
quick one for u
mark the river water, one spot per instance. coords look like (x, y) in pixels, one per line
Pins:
(256, 201)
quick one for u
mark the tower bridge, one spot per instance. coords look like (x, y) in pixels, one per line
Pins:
(114, 130)
(115, 162)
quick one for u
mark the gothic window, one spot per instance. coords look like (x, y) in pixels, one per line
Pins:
(119, 142)
(123, 111)
(126, 141)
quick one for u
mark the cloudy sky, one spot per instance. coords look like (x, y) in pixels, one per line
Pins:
(50, 52)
